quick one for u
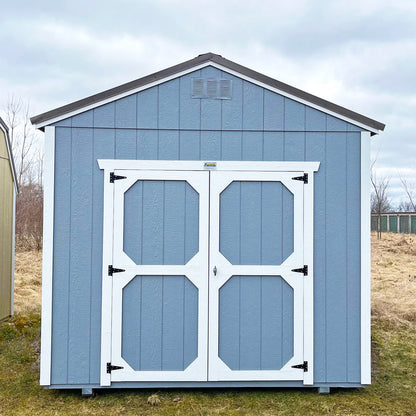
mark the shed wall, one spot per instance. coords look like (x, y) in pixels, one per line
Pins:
(6, 229)
(164, 122)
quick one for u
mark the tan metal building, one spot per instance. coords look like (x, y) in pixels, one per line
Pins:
(8, 192)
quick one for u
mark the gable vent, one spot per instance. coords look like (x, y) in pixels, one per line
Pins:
(212, 85)
(225, 88)
(197, 87)
(217, 89)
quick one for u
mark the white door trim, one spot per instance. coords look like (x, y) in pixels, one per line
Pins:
(109, 165)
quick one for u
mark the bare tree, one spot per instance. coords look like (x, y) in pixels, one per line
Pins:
(28, 157)
(380, 201)
(409, 205)
(22, 137)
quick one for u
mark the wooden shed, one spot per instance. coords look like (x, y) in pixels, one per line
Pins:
(206, 226)
(8, 192)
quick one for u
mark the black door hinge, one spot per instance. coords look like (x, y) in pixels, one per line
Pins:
(303, 178)
(114, 177)
(112, 270)
(110, 368)
(303, 366)
(303, 270)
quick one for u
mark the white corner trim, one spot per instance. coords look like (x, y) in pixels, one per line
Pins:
(13, 248)
(365, 260)
(196, 68)
(47, 262)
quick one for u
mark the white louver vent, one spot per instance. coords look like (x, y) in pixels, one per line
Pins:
(212, 88)
(225, 88)
(197, 87)
(219, 89)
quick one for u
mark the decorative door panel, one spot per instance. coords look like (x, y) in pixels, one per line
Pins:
(159, 317)
(255, 297)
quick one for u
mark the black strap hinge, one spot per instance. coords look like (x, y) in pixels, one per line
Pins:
(114, 177)
(303, 270)
(112, 270)
(110, 368)
(303, 178)
(303, 366)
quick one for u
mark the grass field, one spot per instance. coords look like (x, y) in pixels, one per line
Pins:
(393, 391)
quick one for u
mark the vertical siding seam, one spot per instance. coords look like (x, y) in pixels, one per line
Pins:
(281, 323)
(239, 323)
(200, 127)
(304, 133)
(161, 329)
(261, 222)
(326, 268)
(140, 323)
(184, 224)
(261, 322)
(157, 122)
(183, 323)
(141, 236)
(346, 257)
(262, 133)
(179, 118)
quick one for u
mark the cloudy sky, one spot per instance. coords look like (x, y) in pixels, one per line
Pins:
(360, 54)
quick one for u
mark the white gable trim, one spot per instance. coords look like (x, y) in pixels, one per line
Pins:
(196, 68)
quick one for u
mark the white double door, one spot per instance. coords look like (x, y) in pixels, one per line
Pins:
(203, 285)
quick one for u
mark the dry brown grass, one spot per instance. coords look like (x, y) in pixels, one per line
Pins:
(393, 267)
(28, 281)
(393, 278)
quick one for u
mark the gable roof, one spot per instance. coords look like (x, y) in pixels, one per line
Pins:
(201, 61)
(5, 129)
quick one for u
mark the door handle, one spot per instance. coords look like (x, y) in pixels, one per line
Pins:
(215, 270)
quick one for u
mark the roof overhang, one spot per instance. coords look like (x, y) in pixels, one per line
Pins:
(5, 130)
(201, 61)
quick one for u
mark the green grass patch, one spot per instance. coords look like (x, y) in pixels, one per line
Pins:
(393, 391)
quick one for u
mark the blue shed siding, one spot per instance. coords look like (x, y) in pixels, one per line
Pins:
(164, 122)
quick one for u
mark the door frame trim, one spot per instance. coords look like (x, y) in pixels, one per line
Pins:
(108, 165)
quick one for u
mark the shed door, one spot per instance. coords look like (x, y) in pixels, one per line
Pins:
(207, 289)
(255, 299)
(160, 301)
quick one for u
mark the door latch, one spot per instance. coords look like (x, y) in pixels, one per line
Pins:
(215, 270)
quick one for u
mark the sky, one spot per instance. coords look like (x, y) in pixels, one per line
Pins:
(360, 54)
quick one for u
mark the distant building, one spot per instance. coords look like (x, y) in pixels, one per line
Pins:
(8, 192)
